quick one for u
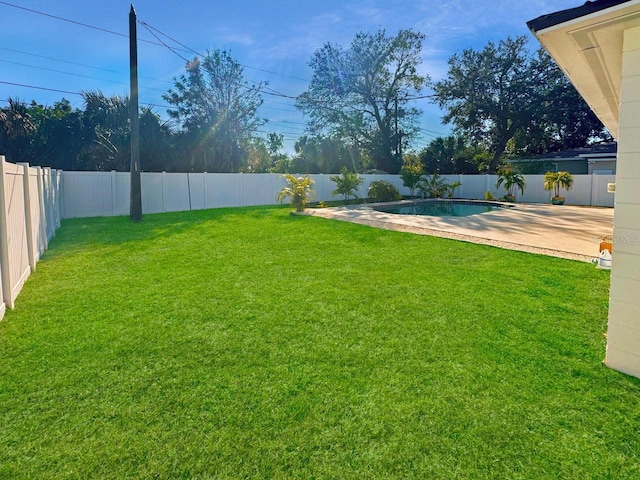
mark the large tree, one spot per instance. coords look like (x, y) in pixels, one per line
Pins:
(361, 94)
(563, 120)
(451, 155)
(217, 110)
(505, 91)
(325, 155)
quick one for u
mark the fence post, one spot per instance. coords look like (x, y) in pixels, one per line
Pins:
(31, 250)
(164, 189)
(204, 190)
(114, 193)
(4, 239)
(43, 216)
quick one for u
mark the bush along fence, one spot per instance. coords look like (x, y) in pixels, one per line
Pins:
(29, 218)
(91, 194)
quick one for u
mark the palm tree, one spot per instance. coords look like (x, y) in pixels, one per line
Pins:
(299, 189)
(16, 130)
(555, 180)
(434, 186)
(511, 180)
(347, 184)
(106, 121)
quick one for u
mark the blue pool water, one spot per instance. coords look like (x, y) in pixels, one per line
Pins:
(442, 208)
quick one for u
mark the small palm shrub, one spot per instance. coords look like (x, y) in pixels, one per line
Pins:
(511, 180)
(434, 186)
(299, 190)
(489, 196)
(556, 180)
(383, 191)
(347, 183)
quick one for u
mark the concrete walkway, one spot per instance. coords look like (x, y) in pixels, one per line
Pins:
(560, 231)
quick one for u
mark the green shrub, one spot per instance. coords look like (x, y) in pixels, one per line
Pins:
(383, 191)
(299, 189)
(489, 196)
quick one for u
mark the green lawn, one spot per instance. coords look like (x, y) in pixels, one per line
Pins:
(249, 343)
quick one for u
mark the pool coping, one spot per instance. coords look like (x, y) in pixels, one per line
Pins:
(576, 230)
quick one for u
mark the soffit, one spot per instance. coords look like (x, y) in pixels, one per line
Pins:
(589, 51)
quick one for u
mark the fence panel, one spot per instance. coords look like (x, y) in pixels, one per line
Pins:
(49, 202)
(472, 186)
(196, 184)
(256, 189)
(599, 195)
(13, 231)
(27, 198)
(87, 194)
(222, 190)
(56, 191)
(152, 192)
(580, 193)
(534, 191)
(121, 191)
(175, 192)
(33, 216)
(3, 306)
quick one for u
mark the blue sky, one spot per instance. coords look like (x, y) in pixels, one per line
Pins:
(274, 40)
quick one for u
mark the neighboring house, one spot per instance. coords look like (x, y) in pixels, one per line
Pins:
(594, 160)
(597, 45)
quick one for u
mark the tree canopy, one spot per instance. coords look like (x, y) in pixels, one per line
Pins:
(217, 110)
(504, 92)
(362, 93)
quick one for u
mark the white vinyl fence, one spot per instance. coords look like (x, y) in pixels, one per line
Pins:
(29, 217)
(34, 199)
(91, 194)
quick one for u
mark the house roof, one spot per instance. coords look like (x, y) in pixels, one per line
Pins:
(552, 19)
(602, 150)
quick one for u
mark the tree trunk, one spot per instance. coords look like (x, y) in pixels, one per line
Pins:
(495, 161)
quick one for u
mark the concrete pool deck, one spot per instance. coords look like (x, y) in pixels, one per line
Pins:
(563, 231)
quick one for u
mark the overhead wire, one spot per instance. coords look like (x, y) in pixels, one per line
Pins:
(79, 64)
(155, 33)
(73, 74)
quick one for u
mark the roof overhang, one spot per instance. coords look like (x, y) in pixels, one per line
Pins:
(586, 42)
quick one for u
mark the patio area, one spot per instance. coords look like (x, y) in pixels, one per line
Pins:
(565, 231)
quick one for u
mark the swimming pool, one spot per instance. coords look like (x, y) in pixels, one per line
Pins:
(443, 208)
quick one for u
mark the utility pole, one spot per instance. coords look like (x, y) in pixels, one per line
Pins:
(397, 136)
(135, 199)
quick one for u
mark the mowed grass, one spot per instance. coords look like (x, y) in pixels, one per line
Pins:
(249, 343)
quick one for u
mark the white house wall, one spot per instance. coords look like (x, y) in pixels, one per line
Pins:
(623, 346)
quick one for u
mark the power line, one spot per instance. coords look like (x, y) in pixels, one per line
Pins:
(47, 89)
(73, 74)
(64, 19)
(78, 64)
(39, 88)
(189, 49)
(160, 40)
(151, 30)
(82, 24)
(59, 60)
